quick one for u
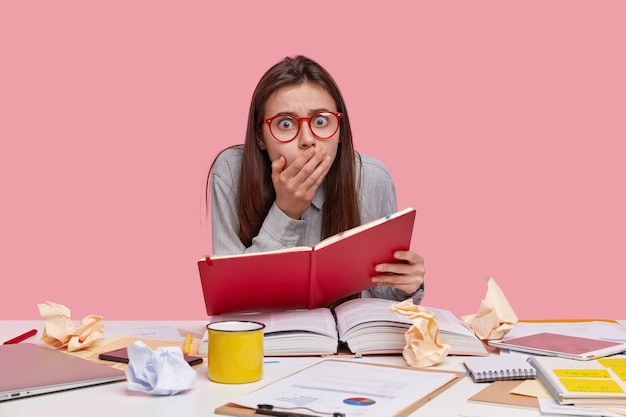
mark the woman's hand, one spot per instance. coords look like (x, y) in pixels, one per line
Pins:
(406, 274)
(296, 184)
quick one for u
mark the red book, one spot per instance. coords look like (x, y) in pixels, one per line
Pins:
(304, 277)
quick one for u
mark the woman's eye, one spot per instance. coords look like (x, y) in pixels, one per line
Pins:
(286, 123)
(320, 120)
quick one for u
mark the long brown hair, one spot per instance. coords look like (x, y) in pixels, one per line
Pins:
(255, 192)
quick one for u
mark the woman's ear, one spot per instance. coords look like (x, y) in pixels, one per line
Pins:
(261, 143)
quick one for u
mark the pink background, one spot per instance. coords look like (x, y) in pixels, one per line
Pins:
(503, 123)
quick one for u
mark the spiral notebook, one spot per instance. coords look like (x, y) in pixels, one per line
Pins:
(499, 368)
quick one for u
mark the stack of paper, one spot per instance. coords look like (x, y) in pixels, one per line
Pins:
(599, 383)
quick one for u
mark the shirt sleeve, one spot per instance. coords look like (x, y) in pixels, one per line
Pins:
(392, 293)
(377, 194)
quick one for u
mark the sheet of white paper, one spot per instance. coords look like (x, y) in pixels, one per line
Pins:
(143, 331)
(295, 361)
(355, 389)
(591, 329)
(549, 406)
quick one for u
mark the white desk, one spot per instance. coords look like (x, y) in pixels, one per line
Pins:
(115, 400)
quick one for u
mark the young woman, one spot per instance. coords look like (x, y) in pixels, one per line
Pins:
(297, 178)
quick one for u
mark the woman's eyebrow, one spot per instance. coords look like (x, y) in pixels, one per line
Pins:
(322, 109)
(295, 114)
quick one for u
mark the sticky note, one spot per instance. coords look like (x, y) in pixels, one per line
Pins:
(582, 373)
(590, 385)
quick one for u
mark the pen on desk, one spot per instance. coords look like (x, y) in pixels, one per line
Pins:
(268, 410)
(21, 337)
(187, 346)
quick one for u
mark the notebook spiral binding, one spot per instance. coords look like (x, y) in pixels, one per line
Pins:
(505, 374)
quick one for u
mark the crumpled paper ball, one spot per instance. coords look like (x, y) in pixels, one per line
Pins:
(162, 371)
(60, 331)
(423, 347)
(495, 316)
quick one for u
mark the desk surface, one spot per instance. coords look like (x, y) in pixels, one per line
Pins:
(115, 400)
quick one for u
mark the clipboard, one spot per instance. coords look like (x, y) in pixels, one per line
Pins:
(235, 410)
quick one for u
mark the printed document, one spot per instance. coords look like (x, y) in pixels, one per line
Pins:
(356, 389)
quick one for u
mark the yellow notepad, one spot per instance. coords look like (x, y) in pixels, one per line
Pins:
(595, 382)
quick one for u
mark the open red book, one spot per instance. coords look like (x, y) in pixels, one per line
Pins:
(304, 277)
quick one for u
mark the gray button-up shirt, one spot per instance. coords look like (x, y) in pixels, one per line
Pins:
(377, 198)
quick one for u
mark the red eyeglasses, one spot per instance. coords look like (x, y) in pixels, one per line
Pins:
(285, 128)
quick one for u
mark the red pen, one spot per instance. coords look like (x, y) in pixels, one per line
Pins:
(21, 337)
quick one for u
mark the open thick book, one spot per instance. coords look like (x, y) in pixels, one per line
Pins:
(362, 326)
(304, 277)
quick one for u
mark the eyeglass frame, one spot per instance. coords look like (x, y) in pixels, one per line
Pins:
(299, 121)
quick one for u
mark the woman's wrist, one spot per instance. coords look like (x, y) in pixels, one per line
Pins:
(421, 288)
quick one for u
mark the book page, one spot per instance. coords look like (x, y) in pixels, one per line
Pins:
(462, 340)
(318, 320)
(448, 322)
(369, 323)
(364, 310)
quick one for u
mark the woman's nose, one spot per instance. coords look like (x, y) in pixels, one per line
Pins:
(306, 137)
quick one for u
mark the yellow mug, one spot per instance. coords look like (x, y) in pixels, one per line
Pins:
(235, 351)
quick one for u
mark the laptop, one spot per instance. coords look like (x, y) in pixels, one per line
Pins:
(28, 369)
(563, 346)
